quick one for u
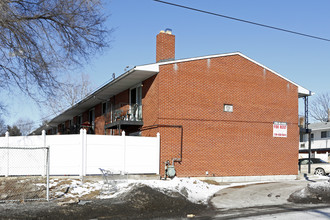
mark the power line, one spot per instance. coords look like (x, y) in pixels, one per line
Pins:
(242, 20)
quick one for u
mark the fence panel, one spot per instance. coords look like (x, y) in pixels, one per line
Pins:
(84, 154)
(142, 155)
(24, 173)
(65, 154)
(104, 152)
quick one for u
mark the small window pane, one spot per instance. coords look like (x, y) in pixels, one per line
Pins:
(228, 108)
(323, 134)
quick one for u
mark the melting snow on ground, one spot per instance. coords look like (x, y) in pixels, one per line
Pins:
(193, 189)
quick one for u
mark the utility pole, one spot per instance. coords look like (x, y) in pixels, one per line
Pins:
(308, 131)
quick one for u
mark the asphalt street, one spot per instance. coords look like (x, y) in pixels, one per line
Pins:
(266, 201)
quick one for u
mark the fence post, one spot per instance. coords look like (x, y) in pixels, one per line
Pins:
(82, 139)
(7, 143)
(43, 135)
(158, 153)
(85, 152)
(47, 171)
(123, 134)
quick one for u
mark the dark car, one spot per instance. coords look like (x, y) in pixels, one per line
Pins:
(320, 167)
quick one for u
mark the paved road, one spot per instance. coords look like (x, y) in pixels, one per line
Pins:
(289, 211)
(257, 194)
(314, 213)
(265, 201)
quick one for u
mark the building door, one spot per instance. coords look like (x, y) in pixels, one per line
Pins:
(136, 102)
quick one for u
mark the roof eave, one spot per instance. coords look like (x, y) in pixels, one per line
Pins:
(103, 93)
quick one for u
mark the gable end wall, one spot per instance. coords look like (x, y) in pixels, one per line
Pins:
(241, 143)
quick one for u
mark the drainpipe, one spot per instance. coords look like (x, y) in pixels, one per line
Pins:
(308, 131)
(179, 160)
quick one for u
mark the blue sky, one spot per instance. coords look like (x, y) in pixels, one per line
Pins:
(305, 61)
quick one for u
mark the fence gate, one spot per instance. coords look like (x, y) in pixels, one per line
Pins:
(24, 173)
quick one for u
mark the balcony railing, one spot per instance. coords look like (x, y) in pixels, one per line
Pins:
(124, 113)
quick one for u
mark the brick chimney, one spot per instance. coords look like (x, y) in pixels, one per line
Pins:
(165, 46)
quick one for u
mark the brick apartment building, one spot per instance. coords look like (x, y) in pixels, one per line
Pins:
(218, 115)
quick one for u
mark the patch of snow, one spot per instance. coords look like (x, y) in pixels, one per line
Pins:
(193, 189)
(319, 185)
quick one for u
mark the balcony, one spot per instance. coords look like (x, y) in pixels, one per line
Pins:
(124, 116)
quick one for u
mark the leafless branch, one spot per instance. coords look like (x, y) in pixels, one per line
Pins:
(41, 37)
(320, 108)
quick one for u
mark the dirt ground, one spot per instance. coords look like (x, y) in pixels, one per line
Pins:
(141, 202)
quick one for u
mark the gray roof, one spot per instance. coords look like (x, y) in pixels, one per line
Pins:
(319, 126)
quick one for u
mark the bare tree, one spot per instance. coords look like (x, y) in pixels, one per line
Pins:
(14, 131)
(71, 91)
(320, 108)
(3, 127)
(25, 125)
(41, 37)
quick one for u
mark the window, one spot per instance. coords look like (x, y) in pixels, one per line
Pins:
(304, 162)
(62, 128)
(228, 108)
(312, 136)
(104, 108)
(54, 131)
(91, 117)
(135, 99)
(79, 120)
(323, 134)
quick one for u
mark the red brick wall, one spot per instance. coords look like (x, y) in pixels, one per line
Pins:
(150, 111)
(85, 116)
(99, 120)
(241, 143)
(122, 98)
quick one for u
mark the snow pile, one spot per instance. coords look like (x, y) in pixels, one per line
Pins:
(194, 190)
(319, 188)
(316, 192)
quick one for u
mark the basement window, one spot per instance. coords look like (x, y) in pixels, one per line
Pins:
(228, 108)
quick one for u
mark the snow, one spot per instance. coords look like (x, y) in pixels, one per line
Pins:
(193, 189)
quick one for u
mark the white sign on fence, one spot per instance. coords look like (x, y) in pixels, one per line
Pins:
(280, 129)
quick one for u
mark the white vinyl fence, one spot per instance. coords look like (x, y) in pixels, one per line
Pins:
(83, 154)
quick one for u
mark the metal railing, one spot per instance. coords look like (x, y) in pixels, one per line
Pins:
(125, 112)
